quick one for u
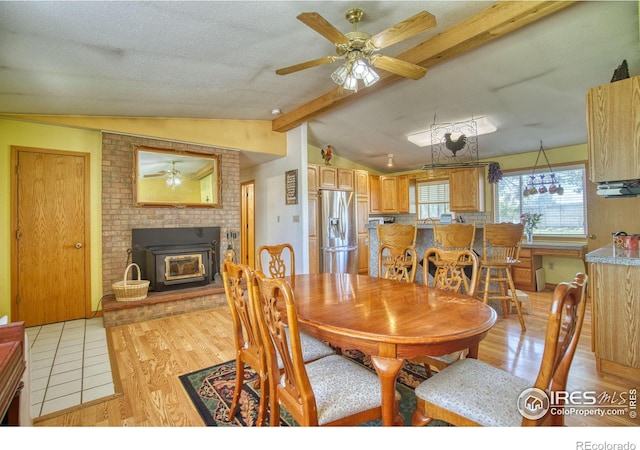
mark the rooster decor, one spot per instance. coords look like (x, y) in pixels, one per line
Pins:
(456, 145)
(326, 155)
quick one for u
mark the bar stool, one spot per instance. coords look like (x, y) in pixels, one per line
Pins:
(501, 250)
(452, 237)
(397, 255)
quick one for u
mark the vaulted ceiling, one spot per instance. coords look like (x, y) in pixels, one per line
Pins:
(525, 65)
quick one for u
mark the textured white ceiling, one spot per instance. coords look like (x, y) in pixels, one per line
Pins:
(214, 59)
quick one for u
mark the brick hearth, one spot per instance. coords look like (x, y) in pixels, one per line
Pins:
(161, 304)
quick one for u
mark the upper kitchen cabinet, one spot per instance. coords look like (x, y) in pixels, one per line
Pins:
(466, 189)
(374, 194)
(403, 194)
(613, 118)
(335, 178)
(388, 194)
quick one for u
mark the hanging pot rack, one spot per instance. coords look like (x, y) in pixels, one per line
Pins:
(534, 186)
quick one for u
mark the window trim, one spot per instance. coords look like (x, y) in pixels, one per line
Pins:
(434, 181)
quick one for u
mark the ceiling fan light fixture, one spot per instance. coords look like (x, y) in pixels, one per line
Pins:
(360, 69)
(351, 83)
(371, 77)
(173, 181)
(340, 74)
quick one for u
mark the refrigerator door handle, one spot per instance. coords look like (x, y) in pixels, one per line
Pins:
(339, 249)
(343, 208)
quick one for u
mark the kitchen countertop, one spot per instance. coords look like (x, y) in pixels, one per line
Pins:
(610, 255)
(555, 244)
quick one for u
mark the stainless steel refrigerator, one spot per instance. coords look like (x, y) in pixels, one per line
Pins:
(338, 232)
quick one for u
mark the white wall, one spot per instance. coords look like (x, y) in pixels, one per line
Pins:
(274, 219)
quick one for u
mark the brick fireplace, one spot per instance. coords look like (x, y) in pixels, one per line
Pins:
(120, 216)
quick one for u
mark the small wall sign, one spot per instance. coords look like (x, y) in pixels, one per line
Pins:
(291, 187)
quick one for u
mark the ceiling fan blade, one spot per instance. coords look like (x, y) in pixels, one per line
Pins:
(306, 65)
(398, 66)
(404, 30)
(320, 24)
(151, 175)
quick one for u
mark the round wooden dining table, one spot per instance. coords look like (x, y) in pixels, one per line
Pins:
(389, 320)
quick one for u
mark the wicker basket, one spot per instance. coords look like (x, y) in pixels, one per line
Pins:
(130, 290)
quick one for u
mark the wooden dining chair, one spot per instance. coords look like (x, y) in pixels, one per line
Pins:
(450, 275)
(277, 260)
(454, 236)
(501, 250)
(248, 342)
(331, 391)
(473, 393)
(397, 255)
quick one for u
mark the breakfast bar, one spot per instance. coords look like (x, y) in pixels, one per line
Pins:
(524, 273)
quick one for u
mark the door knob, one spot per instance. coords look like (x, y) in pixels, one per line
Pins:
(78, 245)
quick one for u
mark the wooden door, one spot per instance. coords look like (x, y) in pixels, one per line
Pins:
(50, 252)
(247, 224)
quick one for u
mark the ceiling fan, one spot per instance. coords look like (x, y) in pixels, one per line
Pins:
(172, 175)
(359, 49)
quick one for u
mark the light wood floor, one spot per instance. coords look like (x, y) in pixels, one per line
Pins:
(150, 356)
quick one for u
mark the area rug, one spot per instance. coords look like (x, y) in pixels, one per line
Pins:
(211, 391)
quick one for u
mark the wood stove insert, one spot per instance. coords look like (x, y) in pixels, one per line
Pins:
(177, 258)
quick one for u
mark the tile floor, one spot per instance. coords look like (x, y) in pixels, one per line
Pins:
(69, 365)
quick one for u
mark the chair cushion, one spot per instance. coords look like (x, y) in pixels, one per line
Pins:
(312, 348)
(449, 358)
(477, 391)
(342, 388)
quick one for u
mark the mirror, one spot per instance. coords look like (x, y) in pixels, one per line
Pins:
(176, 178)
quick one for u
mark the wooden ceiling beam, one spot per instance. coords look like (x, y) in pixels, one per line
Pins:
(489, 24)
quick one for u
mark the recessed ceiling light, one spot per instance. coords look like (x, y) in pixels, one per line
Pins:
(276, 111)
(483, 126)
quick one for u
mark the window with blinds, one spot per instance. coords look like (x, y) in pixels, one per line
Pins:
(432, 199)
(562, 215)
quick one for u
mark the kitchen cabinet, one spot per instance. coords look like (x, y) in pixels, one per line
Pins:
(362, 211)
(327, 177)
(524, 273)
(374, 194)
(313, 182)
(361, 178)
(466, 189)
(403, 194)
(345, 180)
(614, 289)
(335, 178)
(613, 118)
(388, 194)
